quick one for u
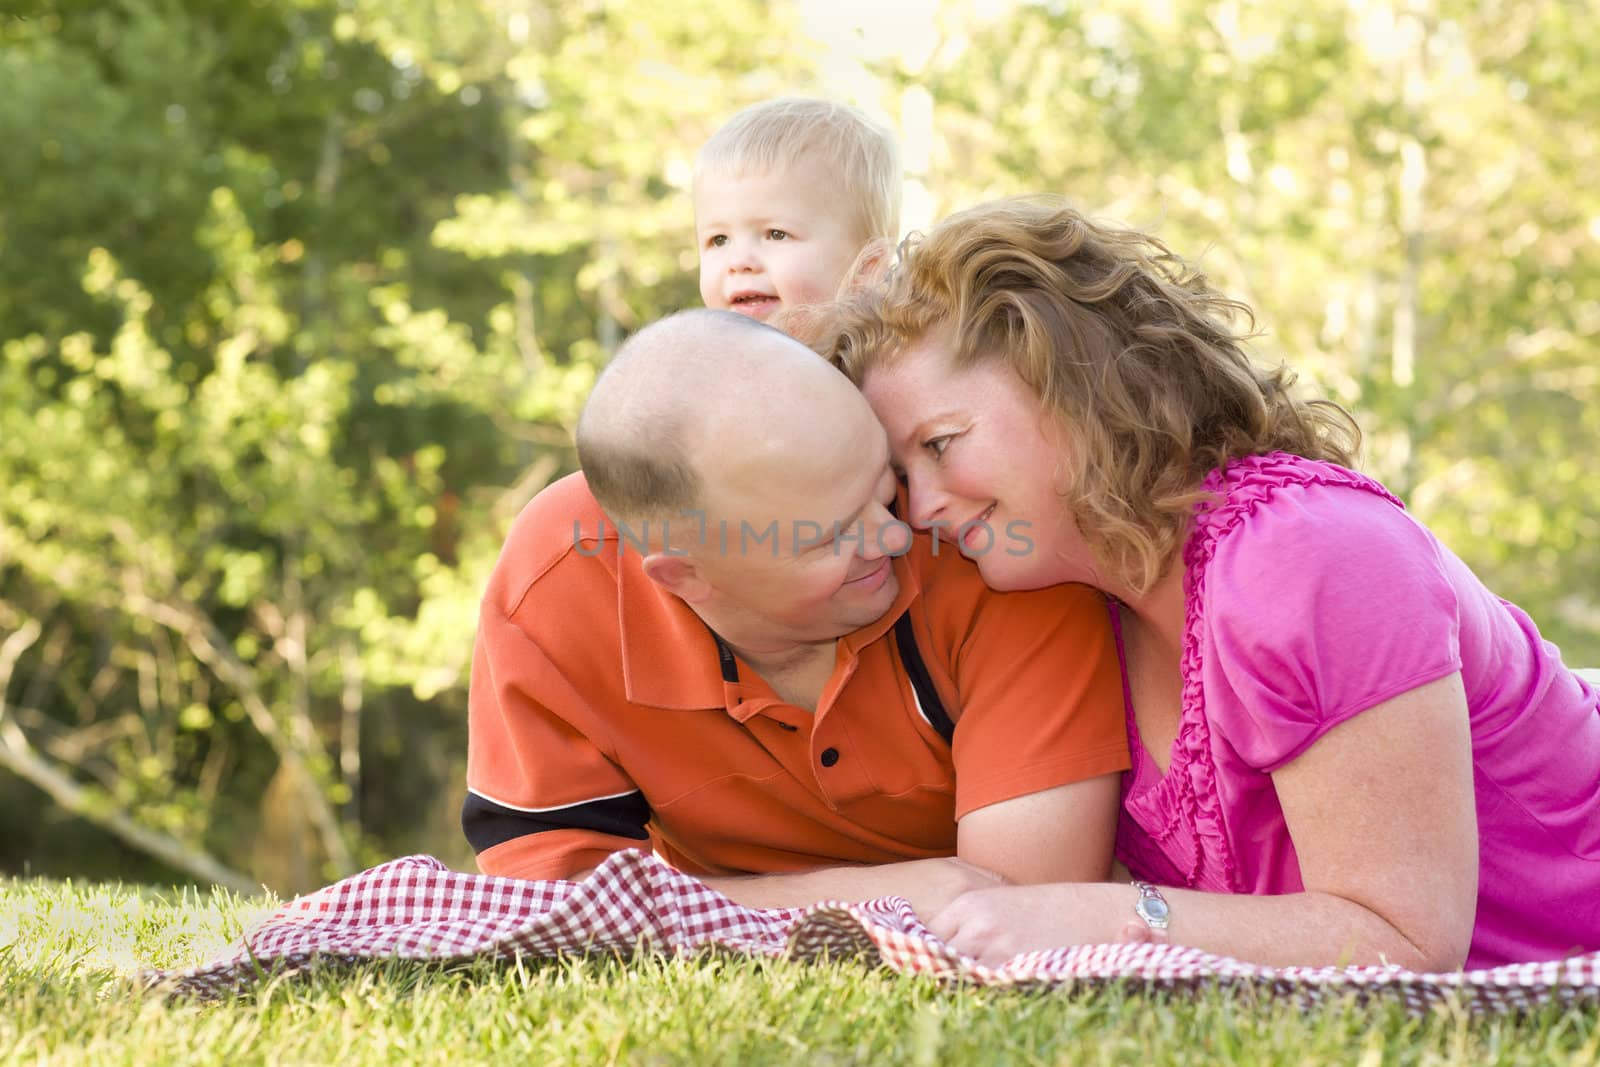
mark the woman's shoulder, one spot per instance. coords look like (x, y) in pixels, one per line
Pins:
(1297, 506)
(1253, 482)
(1289, 544)
(1311, 596)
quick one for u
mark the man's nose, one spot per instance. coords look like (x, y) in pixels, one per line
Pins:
(884, 534)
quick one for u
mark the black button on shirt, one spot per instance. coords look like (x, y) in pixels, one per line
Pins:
(830, 756)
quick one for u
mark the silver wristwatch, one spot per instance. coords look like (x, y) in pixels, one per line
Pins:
(1152, 907)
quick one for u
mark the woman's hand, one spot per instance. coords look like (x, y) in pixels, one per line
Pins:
(993, 925)
(930, 885)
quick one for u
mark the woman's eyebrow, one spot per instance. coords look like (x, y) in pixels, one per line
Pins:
(917, 433)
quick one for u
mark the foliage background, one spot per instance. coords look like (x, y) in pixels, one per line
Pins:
(299, 299)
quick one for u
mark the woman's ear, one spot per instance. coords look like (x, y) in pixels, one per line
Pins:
(871, 265)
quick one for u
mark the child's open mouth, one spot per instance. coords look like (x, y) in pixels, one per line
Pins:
(758, 305)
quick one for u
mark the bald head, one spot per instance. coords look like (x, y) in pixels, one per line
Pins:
(704, 396)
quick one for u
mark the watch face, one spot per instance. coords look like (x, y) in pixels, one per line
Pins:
(1154, 911)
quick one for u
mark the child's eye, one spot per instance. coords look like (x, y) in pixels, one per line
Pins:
(716, 240)
(777, 235)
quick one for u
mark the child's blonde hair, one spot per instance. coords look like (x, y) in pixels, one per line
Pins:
(779, 133)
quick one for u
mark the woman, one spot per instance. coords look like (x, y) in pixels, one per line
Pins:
(1346, 749)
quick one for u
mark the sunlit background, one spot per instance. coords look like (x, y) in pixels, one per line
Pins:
(300, 298)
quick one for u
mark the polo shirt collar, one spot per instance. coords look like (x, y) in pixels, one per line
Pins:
(669, 656)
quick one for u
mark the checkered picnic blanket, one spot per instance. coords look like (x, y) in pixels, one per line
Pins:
(417, 909)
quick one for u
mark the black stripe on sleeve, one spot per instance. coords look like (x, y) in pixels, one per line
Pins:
(487, 824)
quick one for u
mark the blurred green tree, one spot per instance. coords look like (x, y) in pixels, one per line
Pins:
(1407, 193)
(299, 300)
(296, 290)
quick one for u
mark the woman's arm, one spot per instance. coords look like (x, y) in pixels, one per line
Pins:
(929, 885)
(1054, 834)
(1381, 811)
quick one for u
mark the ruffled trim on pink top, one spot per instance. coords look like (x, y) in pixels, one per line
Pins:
(1181, 811)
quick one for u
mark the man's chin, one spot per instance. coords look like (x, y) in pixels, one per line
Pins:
(869, 605)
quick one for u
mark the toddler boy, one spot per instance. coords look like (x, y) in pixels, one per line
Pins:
(787, 196)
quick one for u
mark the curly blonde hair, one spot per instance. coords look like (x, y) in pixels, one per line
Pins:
(1124, 342)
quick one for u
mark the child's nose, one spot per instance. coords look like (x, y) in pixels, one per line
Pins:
(743, 258)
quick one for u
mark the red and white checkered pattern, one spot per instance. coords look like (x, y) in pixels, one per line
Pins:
(417, 909)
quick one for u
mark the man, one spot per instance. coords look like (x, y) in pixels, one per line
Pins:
(718, 641)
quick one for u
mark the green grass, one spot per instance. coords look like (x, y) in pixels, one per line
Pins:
(66, 951)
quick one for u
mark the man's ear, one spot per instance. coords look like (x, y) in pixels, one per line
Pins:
(677, 574)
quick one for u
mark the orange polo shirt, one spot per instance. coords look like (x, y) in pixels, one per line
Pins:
(600, 719)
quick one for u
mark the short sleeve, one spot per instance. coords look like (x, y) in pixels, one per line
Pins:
(1041, 696)
(1321, 602)
(543, 799)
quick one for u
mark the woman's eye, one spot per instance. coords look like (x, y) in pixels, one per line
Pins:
(937, 445)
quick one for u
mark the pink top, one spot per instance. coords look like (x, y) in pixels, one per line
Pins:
(1311, 596)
